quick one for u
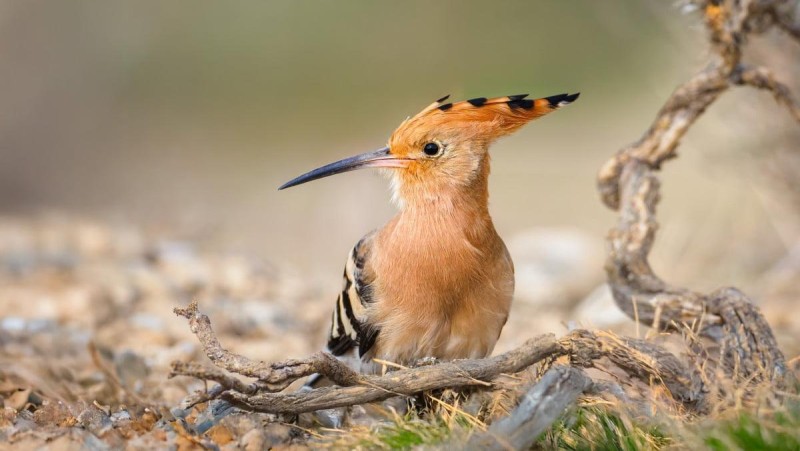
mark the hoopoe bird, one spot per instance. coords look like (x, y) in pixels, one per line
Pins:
(436, 280)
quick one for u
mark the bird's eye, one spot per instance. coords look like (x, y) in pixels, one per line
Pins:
(432, 149)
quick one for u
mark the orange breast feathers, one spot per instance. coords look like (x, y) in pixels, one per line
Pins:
(443, 287)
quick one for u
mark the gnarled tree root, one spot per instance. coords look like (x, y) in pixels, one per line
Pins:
(628, 184)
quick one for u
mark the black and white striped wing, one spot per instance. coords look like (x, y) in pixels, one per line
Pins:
(349, 326)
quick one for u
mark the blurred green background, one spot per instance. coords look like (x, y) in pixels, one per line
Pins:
(190, 114)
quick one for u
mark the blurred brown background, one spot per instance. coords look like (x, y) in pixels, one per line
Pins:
(183, 118)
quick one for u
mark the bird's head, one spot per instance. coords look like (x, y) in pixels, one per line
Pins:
(444, 147)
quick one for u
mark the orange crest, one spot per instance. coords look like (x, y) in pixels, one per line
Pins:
(478, 119)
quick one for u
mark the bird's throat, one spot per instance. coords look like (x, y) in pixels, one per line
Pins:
(438, 197)
(451, 218)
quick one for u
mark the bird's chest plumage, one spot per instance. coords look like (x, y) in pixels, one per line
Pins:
(440, 295)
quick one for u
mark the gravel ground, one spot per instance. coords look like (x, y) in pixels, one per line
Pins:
(87, 331)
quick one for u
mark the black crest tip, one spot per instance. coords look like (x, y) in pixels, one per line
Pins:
(443, 99)
(517, 97)
(446, 106)
(561, 99)
(553, 101)
(478, 101)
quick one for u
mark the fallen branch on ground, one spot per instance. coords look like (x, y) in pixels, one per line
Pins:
(583, 348)
(559, 388)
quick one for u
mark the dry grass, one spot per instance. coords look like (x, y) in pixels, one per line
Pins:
(771, 422)
(742, 416)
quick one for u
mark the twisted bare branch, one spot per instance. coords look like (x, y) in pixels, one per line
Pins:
(763, 78)
(628, 184)
(640, 359)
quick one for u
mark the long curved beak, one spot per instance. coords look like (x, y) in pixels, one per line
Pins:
(380, 158)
